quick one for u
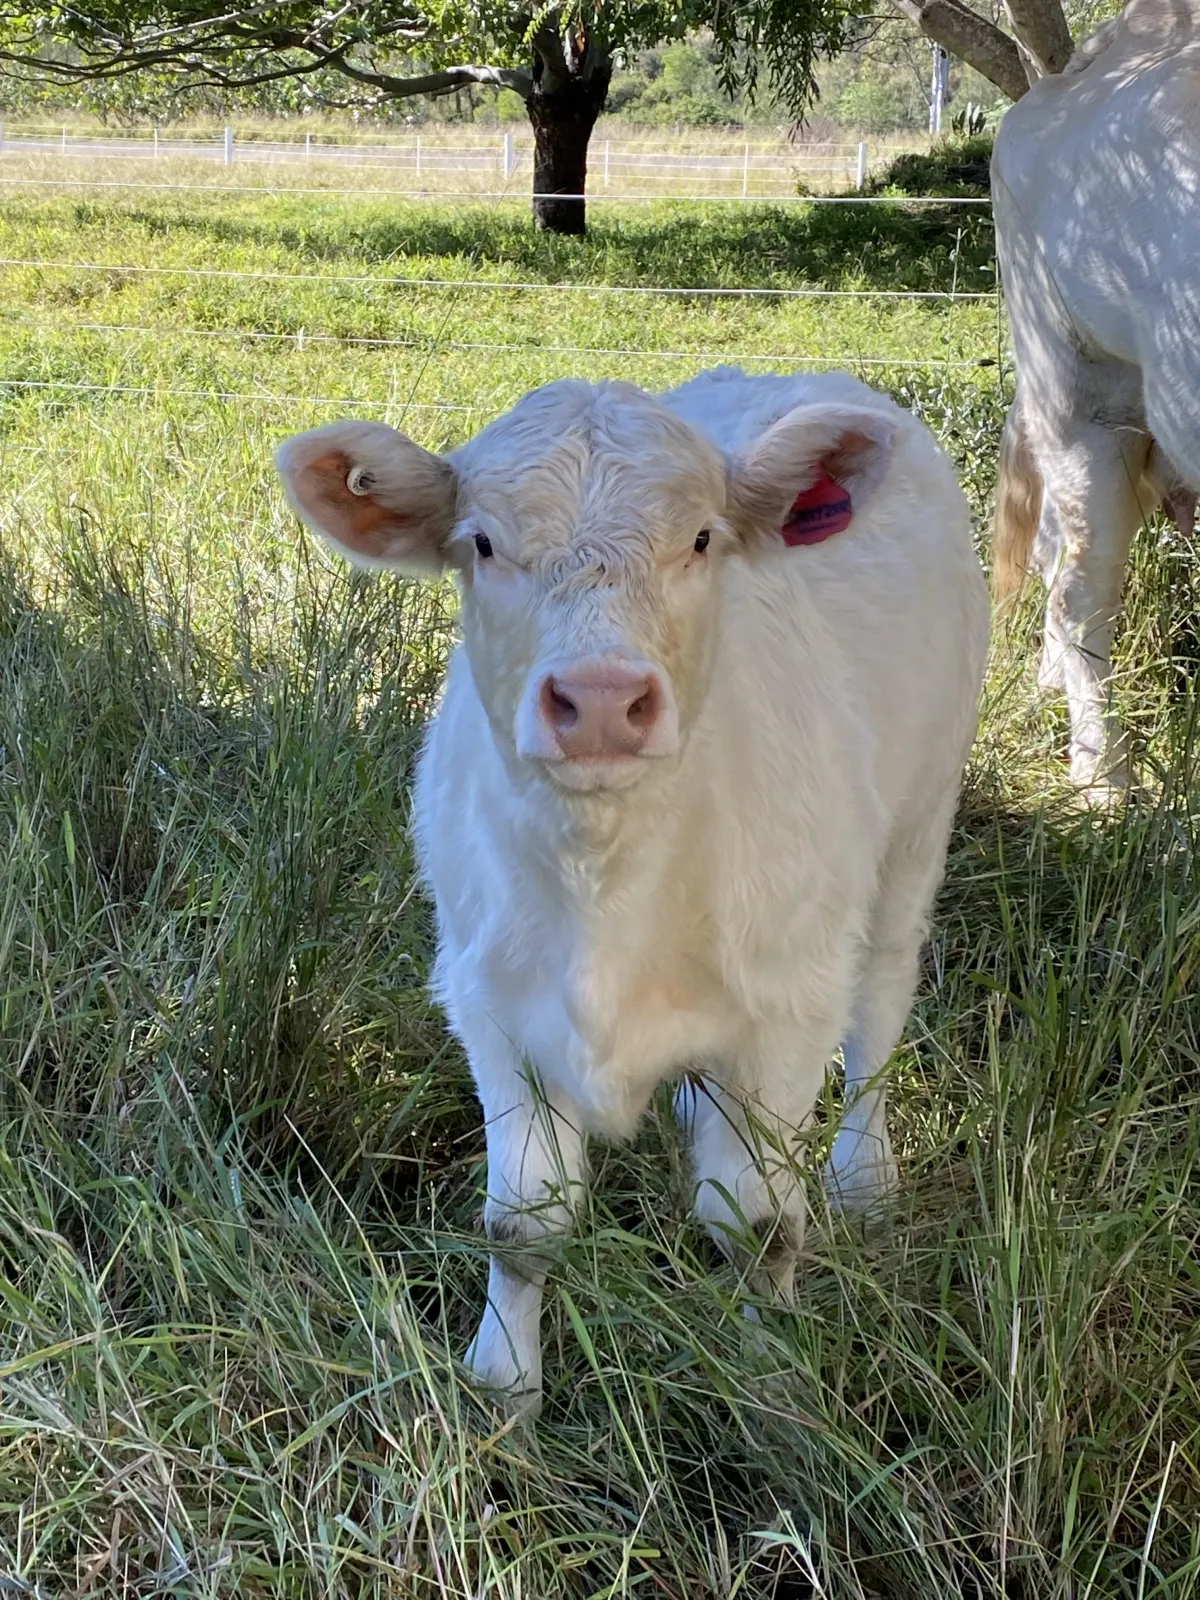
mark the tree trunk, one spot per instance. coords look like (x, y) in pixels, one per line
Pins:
(563, 107)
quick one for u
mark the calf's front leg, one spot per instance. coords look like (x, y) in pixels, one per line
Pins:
(535, 1173)
(743, 1153)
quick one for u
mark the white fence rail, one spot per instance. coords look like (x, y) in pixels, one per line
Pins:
(751, 170)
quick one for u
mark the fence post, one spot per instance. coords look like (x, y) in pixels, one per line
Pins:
(746, 173)
(228, 147)
(508, 157)
(1, 135)
(418, 155)
(64, 142)
(308, 146)
(939, 90)
(156, 141)
(861, 177)
(607, 153)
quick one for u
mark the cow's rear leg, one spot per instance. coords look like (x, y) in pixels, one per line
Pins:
(1092, 476)
(1047, 552)
(862, 1169)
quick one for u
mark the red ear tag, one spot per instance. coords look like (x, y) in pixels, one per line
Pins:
(818, 513)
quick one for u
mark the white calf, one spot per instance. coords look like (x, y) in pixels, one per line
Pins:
(687, 799)
(1095, 179)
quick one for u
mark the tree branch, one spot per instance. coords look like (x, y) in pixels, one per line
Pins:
(972, 38)
(442, 82)
(549, 56)
(126, 58)
(118, 65)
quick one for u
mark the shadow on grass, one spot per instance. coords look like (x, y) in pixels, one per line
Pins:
(220, 1261)
(891, 246)
(225, 851)
(1072, 928)
(201, 843)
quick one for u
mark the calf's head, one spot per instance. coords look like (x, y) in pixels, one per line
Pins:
(588, 527)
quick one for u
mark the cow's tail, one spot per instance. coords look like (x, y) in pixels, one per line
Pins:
(1018, 507)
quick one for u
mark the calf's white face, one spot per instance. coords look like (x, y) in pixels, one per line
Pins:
(589, 595)
(588, 526)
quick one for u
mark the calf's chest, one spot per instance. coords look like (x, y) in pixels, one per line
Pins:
(607, 1008)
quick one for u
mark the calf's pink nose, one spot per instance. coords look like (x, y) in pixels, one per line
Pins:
(600, 712)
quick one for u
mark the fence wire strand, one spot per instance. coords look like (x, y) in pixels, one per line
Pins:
(302, 338)
(225, 395)
(488, 285)
(598, 197)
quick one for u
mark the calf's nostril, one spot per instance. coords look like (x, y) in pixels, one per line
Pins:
(599, 714)
(639, 712)
(560, 710)
(643, 711)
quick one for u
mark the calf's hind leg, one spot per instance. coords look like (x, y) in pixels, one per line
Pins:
(1047, 552)
(1092, 476)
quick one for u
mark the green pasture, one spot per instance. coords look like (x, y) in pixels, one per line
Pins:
(241, 1166)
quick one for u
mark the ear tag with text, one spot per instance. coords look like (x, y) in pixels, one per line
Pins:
(818, 513)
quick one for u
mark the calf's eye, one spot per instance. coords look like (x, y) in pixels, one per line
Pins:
(484, 545)
(702, 539)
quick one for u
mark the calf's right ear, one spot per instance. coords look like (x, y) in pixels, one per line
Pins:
(376, 496)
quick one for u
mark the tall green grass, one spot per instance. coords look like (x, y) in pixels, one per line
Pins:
(241, 1167)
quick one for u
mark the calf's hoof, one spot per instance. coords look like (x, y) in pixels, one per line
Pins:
(1102, 780)
(515, 1390)
(511, 1368)
(1106, 794)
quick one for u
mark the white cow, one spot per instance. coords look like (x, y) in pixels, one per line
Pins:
(686, 802)
(1096, 190)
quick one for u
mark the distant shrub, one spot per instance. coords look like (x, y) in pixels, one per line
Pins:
(970, 121)
(872, 108)
(693, 111)
(954, 167)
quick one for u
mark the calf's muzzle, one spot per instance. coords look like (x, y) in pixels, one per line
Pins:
(605, 710)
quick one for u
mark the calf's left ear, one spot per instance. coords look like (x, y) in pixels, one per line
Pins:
(376, 496)
(852, 445)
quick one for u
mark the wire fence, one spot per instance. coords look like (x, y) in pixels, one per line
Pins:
(500, 285)
(748, 170)
(156, 391)
(133, 337)
(492, 196)
(301, 339)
